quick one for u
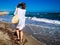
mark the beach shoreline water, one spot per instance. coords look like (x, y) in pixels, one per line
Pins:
(45, 32)
(48, 36)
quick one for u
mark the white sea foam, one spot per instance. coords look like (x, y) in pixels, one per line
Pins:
(44, 20)
(1, 19)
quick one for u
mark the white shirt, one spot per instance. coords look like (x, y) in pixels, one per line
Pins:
(21, 16)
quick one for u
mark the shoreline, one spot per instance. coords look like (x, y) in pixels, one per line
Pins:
(6, 31)
(47, 36)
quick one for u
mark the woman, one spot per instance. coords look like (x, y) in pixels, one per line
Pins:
(20, 11)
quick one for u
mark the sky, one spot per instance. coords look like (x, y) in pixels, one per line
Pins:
(32, 5)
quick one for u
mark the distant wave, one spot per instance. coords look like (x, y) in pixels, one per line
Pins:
(44, 20)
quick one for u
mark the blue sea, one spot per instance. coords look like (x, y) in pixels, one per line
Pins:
(44, 26)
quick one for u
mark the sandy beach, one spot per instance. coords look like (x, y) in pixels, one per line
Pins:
(7, 36)
(3, 13)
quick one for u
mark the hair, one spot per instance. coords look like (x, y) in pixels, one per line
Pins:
(21, 5)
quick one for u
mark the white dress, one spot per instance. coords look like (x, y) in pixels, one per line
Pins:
(21, 17)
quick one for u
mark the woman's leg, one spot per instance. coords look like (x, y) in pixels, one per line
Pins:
(18, 34)
(21, 35)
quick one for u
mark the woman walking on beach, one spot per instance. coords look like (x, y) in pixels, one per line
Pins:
(20, 11)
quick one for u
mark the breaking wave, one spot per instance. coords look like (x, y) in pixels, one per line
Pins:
(44, 20)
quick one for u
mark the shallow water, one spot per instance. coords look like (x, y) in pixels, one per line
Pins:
(47, 35)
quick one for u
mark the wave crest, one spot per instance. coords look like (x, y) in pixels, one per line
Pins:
(44, 20)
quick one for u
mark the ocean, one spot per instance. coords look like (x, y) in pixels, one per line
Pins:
(44, 26)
